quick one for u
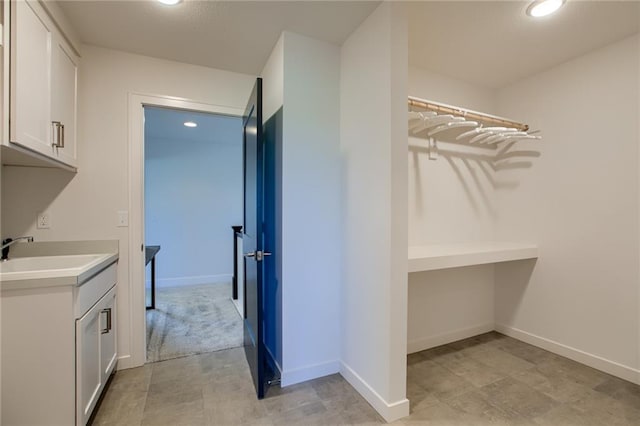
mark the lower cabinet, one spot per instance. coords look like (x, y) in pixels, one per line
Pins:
(58, 350)
(95, 353)
(108, 354)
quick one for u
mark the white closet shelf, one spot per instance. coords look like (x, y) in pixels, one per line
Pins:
(442, 256)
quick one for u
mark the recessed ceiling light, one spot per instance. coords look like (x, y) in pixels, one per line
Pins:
(540, 8)
(170, 2)
(190, 124)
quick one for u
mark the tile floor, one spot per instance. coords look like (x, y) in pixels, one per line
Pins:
(496, 380)
(486, 380)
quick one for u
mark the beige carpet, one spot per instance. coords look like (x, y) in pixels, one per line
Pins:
(191, 320)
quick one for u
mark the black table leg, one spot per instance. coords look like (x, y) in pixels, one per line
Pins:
(234, 281)
(150, 256)
(153, 283)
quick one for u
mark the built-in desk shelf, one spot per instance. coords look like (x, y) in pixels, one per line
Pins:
(443, 256)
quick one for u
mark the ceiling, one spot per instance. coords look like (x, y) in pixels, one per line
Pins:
(230, 35)
(488, 43)
(493, 44)
(165, 132)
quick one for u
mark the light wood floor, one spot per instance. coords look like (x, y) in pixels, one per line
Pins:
(487, 380)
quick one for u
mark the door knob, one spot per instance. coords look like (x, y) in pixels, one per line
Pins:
(258, 255)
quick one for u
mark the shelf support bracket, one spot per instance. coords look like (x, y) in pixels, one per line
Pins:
(433, 148)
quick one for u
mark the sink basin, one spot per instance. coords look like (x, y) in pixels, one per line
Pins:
(21, 268)
(55, 264)
(48, 263)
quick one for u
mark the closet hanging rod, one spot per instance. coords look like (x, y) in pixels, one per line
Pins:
(465, 113)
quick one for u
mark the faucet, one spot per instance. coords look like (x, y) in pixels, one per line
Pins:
(8, 242)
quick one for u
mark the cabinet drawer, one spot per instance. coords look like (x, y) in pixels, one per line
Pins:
(92, 290)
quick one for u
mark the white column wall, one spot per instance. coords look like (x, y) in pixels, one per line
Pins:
(302, 76)
(579, 202)
(374, 201)
(311, 222)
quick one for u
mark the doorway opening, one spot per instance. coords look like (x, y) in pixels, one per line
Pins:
(265, 165)
(193, 197)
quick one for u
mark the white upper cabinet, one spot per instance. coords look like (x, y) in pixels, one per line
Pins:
(64, 74)
(43, 86)
(30, 79)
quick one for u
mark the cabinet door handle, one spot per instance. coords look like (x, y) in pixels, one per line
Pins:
(58, 134)
(55, 136)
(108, 328)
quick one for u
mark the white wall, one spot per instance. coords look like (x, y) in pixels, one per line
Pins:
(575, 193)
(311, 222)
(448, 305)
(84, 206)
(193, 195)
(450, 200)
(273, 80)
(373, 131)
(580, 204)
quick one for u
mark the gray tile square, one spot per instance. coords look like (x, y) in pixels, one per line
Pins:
(625, 392)
(518, 399)
(500, 361)
(557, 387)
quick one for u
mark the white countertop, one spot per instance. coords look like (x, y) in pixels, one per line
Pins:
(50, 264)
(442, 256)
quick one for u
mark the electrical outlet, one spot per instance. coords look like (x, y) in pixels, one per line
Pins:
(43, 221)
(123, 218)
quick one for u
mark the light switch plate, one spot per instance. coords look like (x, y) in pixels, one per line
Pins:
(123, 218)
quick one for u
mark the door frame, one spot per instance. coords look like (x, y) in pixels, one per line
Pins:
(137, 310)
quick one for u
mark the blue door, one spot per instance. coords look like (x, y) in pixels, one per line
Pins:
(252, 238)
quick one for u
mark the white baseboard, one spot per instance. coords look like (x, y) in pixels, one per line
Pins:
(200, 279)
(390, 412)
(422, 344)
(125, 362)
(239, 307)
(599, 363)
(299, 375)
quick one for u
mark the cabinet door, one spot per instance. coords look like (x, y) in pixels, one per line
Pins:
(64, 73)
(30, 77)
(108, 354)
(88, 374)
